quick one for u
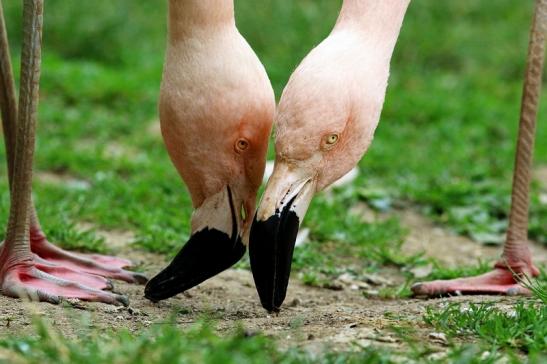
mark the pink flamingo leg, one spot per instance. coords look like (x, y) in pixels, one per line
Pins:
(31, 267)
(516, 259)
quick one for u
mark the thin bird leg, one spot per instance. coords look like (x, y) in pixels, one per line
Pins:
(96, 264)
(516, 259)
(8, 106)
(20, 275)
(17, 244)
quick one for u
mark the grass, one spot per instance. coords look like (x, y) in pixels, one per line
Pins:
(523, 327)
(160, 344)
(166, 343)
(445, 144)
(538, 286)
(201, 343)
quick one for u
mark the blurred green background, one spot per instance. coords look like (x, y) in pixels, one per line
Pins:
(445, 142)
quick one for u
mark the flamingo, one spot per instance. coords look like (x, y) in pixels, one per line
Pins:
(325, 122)
(216, 112)
(30, 265)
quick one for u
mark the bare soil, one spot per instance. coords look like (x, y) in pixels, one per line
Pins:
(311, 317)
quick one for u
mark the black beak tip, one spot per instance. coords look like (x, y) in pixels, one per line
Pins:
(164, 285)
(151, 298)
(271, 308)
(207, 253)
(151, 291)
(271, 246)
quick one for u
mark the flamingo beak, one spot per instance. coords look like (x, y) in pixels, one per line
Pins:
(273, 233)
(210, 250)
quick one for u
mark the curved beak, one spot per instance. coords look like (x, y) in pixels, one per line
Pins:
(274, 230)
(214, 246)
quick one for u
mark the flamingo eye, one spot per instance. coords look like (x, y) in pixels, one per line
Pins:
(241, 145)
(332, 139)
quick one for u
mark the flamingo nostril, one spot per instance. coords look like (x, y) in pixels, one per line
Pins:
(243, 214)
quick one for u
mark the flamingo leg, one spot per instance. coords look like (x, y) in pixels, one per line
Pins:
(516, 259)
(22, 272)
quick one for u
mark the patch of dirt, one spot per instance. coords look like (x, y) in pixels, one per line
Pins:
(154, 128)
(116, 240)
(449, 248)
(63, 179)
(311, 317)
(118, 151)
(540, 174)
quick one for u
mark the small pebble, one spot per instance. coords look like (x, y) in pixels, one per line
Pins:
(438, 337)
(295, 302)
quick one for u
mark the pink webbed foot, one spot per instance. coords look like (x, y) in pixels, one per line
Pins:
(89, 280)
(95, 264)
(114, 262)
(26, 280)
(500, 281)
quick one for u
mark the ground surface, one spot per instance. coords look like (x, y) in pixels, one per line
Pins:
(313, 318)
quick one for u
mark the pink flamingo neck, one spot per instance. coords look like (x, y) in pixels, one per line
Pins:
(378, 22)
(189, 16)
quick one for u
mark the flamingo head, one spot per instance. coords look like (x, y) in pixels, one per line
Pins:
(325, 123)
